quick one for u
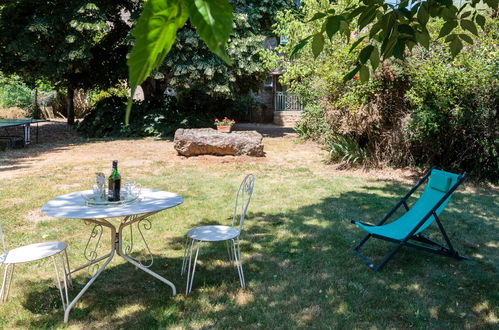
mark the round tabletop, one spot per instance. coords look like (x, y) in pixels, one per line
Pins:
(73, 205)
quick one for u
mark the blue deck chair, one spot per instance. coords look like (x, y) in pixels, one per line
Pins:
(420, 216)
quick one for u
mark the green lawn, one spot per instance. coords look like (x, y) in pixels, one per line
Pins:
(296, 247)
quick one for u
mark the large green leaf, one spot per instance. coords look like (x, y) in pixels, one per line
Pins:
(466, 38)
(398, 50)
(356, 43)
(351, 74)
(493, 4)
(213, 21)
(154, 36)
(423, 14)
(332, 25)
(407, 29)
(423, 38)
(480, 20)
(364, 73)
(365, 53)
(300, 46)
(317, 44)
(375, 58)
(469, 25)
(367, 17)
(455, 46)
(317, 16)
(447, 28)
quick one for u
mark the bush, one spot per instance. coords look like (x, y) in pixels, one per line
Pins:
(454, 120)
(431, 109)
(347, 150)
(14, 92)
(156, 116)
(312, 124)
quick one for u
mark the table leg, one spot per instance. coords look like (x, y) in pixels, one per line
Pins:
(129, 222)
(98, 272)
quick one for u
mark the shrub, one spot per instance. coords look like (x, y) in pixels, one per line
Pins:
(431, 109)
(347, 150)
(14, 92)
(156, 116)
(312, 124)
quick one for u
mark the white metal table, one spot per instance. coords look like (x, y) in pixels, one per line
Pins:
(73, 206)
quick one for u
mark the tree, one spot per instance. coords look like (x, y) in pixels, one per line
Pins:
(394, 28)
(388, 29)
(191, 65)
(72, 44)
(160, 20)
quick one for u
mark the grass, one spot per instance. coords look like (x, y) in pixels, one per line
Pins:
(296, 247)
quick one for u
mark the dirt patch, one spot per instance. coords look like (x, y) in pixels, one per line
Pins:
(61, 149)
(37, 216)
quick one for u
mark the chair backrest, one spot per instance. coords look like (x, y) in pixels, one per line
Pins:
(439, 184)
(243, 197)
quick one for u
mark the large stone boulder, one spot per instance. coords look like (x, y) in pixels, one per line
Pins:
(207, 141)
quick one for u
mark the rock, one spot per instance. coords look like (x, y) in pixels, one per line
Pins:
(207, 141)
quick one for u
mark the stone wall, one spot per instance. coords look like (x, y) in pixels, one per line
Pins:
(265, 111)
(286, 118)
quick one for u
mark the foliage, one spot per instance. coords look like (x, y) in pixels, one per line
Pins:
(386, 30)
(66, 44)
(342, 148)
(14, 92)
(156, 116)
(236, 38)
(120, 90)
(431, 109)
(158, 24)
(454, 119)
(313, 124)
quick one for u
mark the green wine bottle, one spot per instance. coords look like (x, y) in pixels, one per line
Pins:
(114, 184)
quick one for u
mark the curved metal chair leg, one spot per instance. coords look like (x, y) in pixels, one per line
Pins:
(229, 252)
(2, 292)
(184, 259)
(9, 282)
(194, 266)
(58, 280)
(189, 268)
(65, 279)
(67, 269)
(238, 263)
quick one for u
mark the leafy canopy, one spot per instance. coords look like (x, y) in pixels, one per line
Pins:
(157, 27)
(191, 67)
(67, 43)
(387, 30)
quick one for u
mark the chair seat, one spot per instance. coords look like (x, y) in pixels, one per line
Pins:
(32, 252)
(213, 233)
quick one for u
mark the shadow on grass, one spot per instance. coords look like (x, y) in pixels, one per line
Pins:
(301, 272)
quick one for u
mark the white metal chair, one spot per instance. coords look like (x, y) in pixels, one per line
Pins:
(32, 252)
(219, 233)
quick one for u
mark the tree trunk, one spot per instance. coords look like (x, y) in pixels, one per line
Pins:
(70, 110)
(36, 107)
